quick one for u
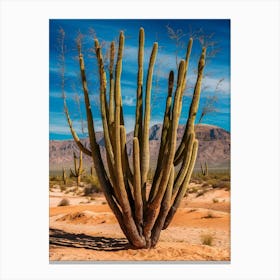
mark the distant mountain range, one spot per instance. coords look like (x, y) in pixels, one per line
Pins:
(214, 147)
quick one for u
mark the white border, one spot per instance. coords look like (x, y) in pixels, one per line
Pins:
(255, 138)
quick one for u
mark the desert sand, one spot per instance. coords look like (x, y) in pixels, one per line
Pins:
(87, 230)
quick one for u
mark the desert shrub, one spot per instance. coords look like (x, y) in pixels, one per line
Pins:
(64, 202)
(212, 182)
(215, 200)
(207, 239)
(93, 187)
(62, 187)
(213, 175)
(209, 215)
(221, 185)
(91, 180)
(204, 185)
(192, 190)
(200, 193)
(52, 178)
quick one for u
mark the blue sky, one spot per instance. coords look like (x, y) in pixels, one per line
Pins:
(215, 33)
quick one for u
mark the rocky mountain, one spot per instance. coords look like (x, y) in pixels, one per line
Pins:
(214, 147)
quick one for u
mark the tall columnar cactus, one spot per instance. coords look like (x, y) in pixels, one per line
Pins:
(204, 169)
(141, 214)
(78, 168)
(64, 176)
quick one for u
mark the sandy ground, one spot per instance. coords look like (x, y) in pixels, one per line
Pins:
(86, 230)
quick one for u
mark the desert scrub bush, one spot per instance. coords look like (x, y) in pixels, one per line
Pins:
(52, 178)
(212, 182)
(90, 190)
(219, 175)
(93, 180)
(200, 193)
(94, 186)
(198, 178)
(62, 188)
(193, 190)
(207, 239)
(222, 185)
(64, 202)
(86, 202)
(209, 215)
(215, 200)
(218, 184)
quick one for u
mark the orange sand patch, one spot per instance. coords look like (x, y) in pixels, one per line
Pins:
(82, 232)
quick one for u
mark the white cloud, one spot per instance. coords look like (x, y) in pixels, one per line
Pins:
(128, 101)
(212, 83)
(68, 74)
(209, 84)
(59, 125)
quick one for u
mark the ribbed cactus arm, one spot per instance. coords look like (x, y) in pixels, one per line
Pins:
(80, 168)
(187, 60)
(164, 208)
(137, 186)
(74, 134)
(111, 95)
(124, 201)
(145, 156)
(193, 109)
(75, 163)
(139, 100)
(163, 142)
(183, 187)
(103, 104)
(118, 155)
(168, 160)
(151, 209)
(72, 172)
(185, 165)
(128, 177)
(96, 156)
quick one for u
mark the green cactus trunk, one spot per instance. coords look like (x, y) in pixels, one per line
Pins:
(141, 214)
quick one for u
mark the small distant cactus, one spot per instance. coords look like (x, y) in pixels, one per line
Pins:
(78, 168)
(141, 214)
(64, 176)
(204, 169)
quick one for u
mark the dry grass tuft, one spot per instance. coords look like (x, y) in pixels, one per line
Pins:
(209, 215)
(207, 239)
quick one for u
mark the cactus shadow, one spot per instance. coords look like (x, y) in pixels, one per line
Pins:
(62, 238)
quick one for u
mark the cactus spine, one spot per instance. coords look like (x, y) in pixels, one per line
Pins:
(78, 168)
(141, 214)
